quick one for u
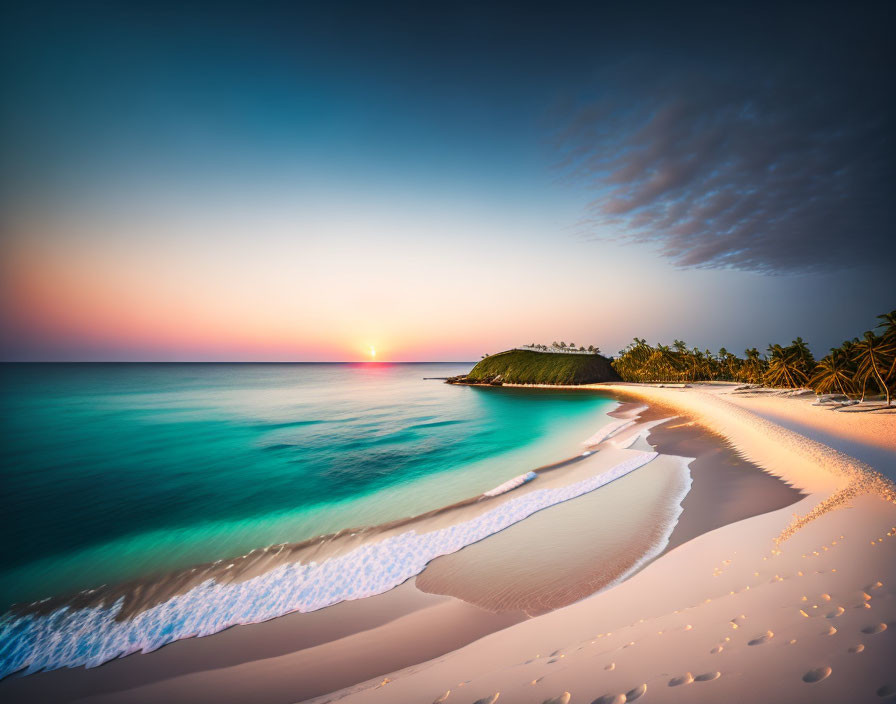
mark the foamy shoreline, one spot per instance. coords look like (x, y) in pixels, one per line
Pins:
(99, 625)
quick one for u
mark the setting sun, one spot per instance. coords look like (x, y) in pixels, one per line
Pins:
(372, 351)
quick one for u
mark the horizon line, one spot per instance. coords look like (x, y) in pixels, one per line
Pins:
(188, 361)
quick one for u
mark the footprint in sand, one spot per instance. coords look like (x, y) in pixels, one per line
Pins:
(562, 699)
(715, 651)
(611, 666)
(488, 700)
(817, 675)
(831, 631)
(875, 628)
(686, 678)
(737, 621)
(636, 693)
(835, 613)
(442, 699)
(856, 648)
(886, 691)
(707, 677)
(765, 638)
(610, 699)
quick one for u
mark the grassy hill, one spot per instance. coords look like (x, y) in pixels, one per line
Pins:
(525, 367)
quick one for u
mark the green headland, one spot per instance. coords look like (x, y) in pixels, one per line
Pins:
(531, 367)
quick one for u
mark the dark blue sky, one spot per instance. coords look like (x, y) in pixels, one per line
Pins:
(659, 139)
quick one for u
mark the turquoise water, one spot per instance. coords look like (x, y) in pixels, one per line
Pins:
(114, 471)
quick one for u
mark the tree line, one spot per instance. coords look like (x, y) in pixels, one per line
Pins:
(857, 368)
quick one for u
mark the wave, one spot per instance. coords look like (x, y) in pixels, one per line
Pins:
(68, 637)
(608, 431)
(511, 484)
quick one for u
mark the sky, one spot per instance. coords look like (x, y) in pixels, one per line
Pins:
(289, 182)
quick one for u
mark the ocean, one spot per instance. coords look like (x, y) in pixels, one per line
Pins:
(115, 472)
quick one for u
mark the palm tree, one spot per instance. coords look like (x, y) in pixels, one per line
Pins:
(785, 368)
(727, 363)
(802, 353)
(751, 368)
(888, 323)
(873, 355)
(833, 372)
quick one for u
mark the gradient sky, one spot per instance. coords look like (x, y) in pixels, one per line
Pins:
(267, 181)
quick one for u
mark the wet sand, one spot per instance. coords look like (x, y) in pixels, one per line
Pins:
(570, 551)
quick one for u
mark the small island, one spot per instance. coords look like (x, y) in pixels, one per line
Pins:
(540, 364)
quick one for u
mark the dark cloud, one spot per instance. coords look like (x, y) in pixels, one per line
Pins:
(781, 164)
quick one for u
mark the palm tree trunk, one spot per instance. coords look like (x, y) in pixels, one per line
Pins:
(880, 378)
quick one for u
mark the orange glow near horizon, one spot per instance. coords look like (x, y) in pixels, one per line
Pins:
(134, 289)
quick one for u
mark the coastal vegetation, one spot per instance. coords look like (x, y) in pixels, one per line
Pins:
(526, 366)
(857, 368)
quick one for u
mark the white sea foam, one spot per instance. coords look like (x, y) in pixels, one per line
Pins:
(92, 636)
(511, 484)
(608, 431)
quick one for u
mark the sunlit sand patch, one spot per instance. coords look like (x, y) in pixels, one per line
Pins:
(817, 675)
(874, 629)
(636, 693)
(686, 678)
(610, 699)
(764, 638)
(862, 480)
(562, 699)
(488, 700)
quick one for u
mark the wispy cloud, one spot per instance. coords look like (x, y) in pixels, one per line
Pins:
(764, 170)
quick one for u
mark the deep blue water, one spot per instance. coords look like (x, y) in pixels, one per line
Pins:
(112, 471)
